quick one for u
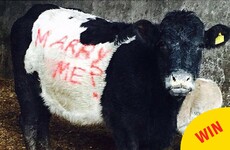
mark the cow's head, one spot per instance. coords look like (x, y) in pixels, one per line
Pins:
(181, 39)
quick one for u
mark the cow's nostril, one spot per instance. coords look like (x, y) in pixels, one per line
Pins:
(174, 79)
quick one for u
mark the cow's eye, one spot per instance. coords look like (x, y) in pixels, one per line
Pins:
(164, 50)
(162, 45)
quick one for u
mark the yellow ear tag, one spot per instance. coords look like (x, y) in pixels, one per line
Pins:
(219, 39)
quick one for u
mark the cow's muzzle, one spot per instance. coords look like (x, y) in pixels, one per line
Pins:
(179, 83)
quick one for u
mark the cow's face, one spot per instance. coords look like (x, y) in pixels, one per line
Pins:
(182, 39)
(180, 51)
(179, 41)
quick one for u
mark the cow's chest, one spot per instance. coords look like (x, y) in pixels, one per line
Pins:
(72, 75)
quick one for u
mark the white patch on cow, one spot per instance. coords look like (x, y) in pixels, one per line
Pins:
(127, 41)
(204, 97)
(71, 84)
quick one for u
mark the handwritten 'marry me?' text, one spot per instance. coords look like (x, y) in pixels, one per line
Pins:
(73, 72)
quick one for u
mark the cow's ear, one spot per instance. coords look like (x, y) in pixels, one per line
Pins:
(216, 36)
(147, 32)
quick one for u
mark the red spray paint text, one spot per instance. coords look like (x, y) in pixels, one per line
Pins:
(77, 50)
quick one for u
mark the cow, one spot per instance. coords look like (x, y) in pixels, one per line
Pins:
(205, 96)
(142, 113)
(88, 70)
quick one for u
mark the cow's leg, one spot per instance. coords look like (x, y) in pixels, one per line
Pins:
(27, 98)
(43, 127)
(34, 116)
(123, 133)
(124, 138)
(119, 136)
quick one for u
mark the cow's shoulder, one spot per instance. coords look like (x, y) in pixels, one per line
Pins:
(99, 30)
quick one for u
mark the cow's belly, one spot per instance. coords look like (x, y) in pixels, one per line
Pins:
(73, 102)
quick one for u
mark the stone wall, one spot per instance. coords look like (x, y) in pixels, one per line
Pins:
(216, 62)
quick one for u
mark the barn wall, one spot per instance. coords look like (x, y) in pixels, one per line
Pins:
(215, 65)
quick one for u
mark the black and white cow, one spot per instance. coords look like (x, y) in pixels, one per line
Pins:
(87, 69)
